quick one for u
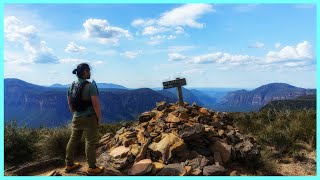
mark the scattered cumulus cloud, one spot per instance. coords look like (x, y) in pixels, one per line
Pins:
(15, 30)
(37, 50)
(302, 51)
(103, 31)
(257, 45)
(180, 48)
(176, 57)
(173, 22)
(76, 61)
(151, 30)
(143, 22)
(277, 45)
(297, 57)
(131, 54)
(185, 15)
(74, 48)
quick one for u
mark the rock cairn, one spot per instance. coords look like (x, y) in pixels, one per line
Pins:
(177, 140)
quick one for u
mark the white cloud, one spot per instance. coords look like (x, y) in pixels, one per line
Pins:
(96, 63)
(185, 15)
(257, 45)
(290, 57)
(26, 35)
(180, 48)
(301, 52)
(151, 30)
(76, 61)
(277, 45)
(173, 22)
(176, 57)
(179, 30)
(170, 37)
(142, 22)
(44, 54)
(103, 31)
(222, 58)
(154, 40)
(74, 48)
(15, 30)
(131, 54)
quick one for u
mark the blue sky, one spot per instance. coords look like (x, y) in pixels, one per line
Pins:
(141, 45)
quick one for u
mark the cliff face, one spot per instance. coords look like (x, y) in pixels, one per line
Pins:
(253, 100)
(36, 105)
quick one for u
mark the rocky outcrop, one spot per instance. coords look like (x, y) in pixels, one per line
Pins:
(174, 140)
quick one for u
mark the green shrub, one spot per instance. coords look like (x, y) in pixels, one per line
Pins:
(284, 129)
(18, 143)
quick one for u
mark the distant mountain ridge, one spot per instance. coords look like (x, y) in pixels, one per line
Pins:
(100, 85)
(244, 100)
(302, 102)
(36, 105)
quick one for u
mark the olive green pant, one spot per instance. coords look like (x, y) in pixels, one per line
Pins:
(88, 126)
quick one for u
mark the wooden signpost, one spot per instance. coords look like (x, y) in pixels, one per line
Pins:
(176, 83)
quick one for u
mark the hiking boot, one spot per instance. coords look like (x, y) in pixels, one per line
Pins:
(70, 168)
(96, 170)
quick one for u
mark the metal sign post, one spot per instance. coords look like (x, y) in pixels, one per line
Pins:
(176, 83)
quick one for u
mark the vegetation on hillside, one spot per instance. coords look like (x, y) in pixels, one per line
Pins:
(24, 144)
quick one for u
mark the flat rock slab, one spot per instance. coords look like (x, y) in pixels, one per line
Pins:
(142, 167)
(120, 151)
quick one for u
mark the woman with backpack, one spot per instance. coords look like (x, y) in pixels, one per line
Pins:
(86, 118)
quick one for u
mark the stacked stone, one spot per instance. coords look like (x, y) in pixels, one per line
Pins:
(177, 140)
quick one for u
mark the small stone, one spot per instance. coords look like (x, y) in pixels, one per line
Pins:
(173, 170)
(146, 116)
(172, 118)
(196, 172)
(120, 151)
(157, 166)
(188, 170)
(214, 170)
(234, 173)
(183, 116)
(135, 149)
(153, 134)
(192, 132)
(221, 132)
(142, 167)
(161, 105)
(199, 162)
(204, 111)
(110, 171)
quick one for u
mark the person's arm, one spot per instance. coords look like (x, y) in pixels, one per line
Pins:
(96, 107)
(69, 104)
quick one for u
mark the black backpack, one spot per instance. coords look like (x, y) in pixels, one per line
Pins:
(77, 103)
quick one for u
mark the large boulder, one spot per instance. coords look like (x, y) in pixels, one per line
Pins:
(169, 144)
(224, 150)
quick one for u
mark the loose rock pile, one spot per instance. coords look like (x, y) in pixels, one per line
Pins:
(177, 140)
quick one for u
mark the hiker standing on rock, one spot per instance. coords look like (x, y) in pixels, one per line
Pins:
(84, 105)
